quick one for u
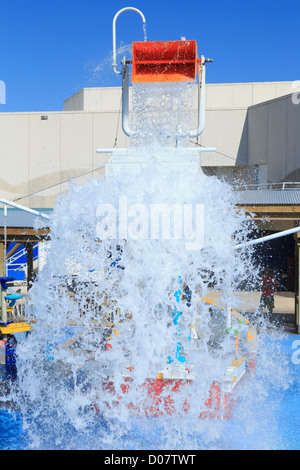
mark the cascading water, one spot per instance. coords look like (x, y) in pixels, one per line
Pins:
(120, 297)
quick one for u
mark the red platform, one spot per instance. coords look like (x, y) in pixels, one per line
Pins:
(158, 397)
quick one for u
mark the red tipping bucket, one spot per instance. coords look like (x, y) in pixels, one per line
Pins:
(165, 61)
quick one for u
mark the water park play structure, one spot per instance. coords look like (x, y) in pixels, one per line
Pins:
(13, 315)
(172, 386)
(177, 61)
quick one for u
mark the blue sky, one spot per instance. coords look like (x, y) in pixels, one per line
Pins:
(50, 49)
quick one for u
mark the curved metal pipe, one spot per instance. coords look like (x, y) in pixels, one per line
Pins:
(114, 63)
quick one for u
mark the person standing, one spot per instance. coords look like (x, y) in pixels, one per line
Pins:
(269, 284)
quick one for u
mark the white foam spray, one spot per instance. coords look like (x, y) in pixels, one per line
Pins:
(124, 291)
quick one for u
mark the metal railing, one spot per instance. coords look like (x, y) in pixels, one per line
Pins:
(17, 313)
(283, 186)
(12, 263)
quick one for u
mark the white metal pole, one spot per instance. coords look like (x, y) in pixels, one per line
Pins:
(5, 238)
(201, 105)
(268, 237)
(25, 209)
(114, 63)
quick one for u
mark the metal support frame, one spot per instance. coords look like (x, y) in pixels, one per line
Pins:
(125, 101)
(124, 72)
(125, 83)
(297, 283)
(201, 100)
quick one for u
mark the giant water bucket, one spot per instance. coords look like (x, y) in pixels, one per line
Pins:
(164, 61)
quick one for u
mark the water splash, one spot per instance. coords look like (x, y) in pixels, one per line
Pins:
(99, 70)
(107, 307)
(145, 32)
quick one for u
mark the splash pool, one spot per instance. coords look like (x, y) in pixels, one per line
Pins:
(272, 422)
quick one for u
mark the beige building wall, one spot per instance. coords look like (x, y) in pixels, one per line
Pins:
(39, 156)
(40, 152)
(218, 96)
(226, 115)
(274, 144)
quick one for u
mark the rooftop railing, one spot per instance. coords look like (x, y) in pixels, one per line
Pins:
(283, 186)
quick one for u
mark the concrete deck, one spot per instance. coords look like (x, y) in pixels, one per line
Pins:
(249, 301)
